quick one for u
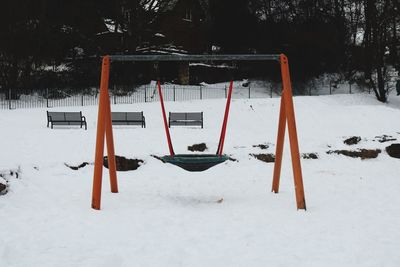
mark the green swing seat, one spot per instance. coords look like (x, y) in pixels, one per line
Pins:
(195, 162)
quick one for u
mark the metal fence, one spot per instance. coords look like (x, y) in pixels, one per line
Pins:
(149, 93)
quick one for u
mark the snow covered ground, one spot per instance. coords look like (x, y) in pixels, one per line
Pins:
(165, 216)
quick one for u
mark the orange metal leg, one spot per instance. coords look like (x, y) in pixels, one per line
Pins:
(103, 128)
(110, 148)
(279, 146)
(294, 144)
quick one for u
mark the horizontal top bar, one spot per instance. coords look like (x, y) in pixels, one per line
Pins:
(179, 57)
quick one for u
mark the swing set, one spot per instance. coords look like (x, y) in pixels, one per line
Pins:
(197, 162)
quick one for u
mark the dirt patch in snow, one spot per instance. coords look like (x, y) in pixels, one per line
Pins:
(264, 157)
(361, 153)
(5, 176)
(384, 138)
(3, 186)
(271, 157)
(354, 140)
(394, 150)
(262, 146)
(198, 147)
(124, 164)
(309, 156)
(75, 168)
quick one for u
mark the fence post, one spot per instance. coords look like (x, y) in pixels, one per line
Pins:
(350, 88)
(249, 91)
(115, 99)
(173, 89)
(201, 93)
(9, 98)
(309, 91)
(225, 92)
(270, 90)
(82, 99)
(113, 95)
(47, 97)
(145, 94)
(330, 87)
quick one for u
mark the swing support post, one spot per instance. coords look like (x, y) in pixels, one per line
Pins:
(287, 115)
(104, 131)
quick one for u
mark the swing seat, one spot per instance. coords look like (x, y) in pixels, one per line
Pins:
(195, 162)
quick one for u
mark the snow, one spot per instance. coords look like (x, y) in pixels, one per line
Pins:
(165, 49)
(110, 24)
(56, 68)
(159, 35)
(165, 216)
(221, 66)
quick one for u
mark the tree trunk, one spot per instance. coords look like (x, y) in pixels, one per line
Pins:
(367, 39)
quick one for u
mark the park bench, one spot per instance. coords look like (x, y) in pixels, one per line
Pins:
(65, 118)
(128, 118)
(185, 119)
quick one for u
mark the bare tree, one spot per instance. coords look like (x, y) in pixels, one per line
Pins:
(376, 45)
